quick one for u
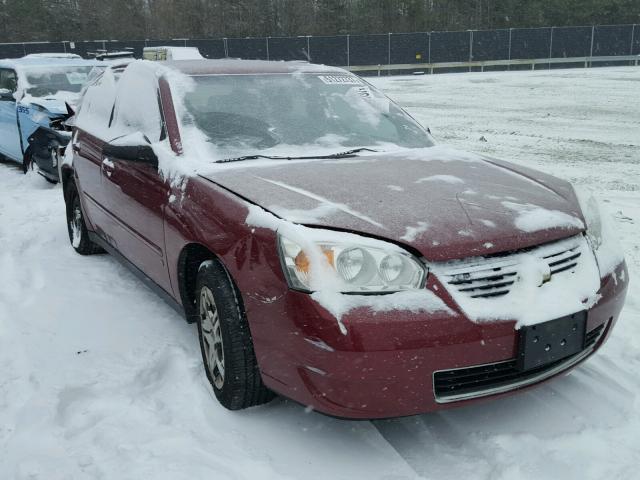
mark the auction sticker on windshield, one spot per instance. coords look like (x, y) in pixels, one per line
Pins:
(340, 80)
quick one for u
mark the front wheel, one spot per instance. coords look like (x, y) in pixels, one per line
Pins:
(225, 341)
(78, 234)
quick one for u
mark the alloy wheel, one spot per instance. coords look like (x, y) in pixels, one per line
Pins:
(75, 222)
(212, 337)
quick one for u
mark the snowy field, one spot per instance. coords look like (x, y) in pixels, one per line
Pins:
(100, 379)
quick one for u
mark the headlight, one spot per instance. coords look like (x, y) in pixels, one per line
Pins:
(349, 267)
(601, 234)
(591, 212)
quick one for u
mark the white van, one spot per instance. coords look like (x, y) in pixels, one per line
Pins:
(171, 53)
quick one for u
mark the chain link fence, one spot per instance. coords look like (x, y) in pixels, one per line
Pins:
(385, 49)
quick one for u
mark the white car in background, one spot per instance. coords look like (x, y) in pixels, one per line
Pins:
(37, 95)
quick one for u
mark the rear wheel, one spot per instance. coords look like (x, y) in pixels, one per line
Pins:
(225, 341)
(78, 234)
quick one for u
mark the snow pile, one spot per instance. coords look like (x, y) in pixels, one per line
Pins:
(533, 218)
(610, 253)
(414, 301)
(311, 216)
(136, 106)
(414, 232)
(441, 178)
(600, 232)
(368, 105)
(442, 153)
(94, 113)
(55, 101)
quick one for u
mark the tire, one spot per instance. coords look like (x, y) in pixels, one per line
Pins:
(225, 341)
(78, 234)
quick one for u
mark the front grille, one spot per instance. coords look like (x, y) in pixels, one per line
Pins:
(483, 380)
(593, 336)
(494, 276)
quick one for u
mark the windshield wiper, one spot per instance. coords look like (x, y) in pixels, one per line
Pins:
(346, 154)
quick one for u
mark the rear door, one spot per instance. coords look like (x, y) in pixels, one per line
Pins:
(9, 132)
(135, 193)
(91, 133)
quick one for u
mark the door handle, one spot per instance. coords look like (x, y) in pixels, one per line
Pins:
(75, 147)
(108, 167)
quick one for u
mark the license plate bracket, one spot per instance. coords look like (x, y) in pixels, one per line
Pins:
(551, 341)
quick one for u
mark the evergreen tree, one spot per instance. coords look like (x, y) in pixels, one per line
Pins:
(55, 20)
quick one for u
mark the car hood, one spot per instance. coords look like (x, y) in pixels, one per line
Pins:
(55, 104)
(443, 203)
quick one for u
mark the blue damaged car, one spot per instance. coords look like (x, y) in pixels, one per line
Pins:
(37, 95)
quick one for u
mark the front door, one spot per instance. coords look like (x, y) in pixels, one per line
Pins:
(9, 132)
(135, 194)
(136, 197)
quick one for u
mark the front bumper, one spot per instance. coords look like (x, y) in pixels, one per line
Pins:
(479, 381)
(385, 365)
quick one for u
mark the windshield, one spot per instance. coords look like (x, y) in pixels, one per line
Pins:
(42, 81)
(298, 114)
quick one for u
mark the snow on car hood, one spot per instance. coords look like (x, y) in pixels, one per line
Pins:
(54, 104)
(443, 203)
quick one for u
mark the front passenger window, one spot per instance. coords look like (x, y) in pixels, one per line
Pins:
(137, 108)
(96, 107)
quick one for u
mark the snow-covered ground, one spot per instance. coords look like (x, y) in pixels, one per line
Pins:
(100, 379)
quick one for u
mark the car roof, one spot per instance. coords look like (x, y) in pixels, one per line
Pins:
(240, 67)
(46, 62)
(53, 55)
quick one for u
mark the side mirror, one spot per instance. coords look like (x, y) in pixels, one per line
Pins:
(6, 95)
(133, 153)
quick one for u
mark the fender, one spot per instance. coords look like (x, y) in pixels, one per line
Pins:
(46, 147)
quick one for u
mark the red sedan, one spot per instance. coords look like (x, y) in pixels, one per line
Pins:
(327, 250)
